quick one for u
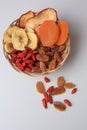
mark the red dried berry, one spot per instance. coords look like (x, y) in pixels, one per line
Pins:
(27, 56)
(33, 58)
(46, 96)
(66, 101)
(74, 90)
(50, 89)
(44, 103)
(50, 100)
(34, 52)
(20, 66)
(27, 69)
(46, 79)
(12, 60)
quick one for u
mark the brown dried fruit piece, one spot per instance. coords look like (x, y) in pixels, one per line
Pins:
(61, 48)
(40, 87)
(57, 91)
(57, 57)
(46, 14)
(60, 81)
(42, 66)
(25, 17)
(42, 58)
(69, 85)
(52, 64)
(59, 105)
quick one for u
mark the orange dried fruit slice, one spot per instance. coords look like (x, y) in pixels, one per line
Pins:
(49, 33)
(63, 26)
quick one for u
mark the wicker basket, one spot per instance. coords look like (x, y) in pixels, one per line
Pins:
(65, 55)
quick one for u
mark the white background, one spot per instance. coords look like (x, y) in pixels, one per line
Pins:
(20, 103)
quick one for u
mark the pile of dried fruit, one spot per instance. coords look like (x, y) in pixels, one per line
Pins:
(36, 41)
(61, 88)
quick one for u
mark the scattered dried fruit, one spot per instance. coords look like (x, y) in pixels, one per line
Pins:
(50, 89)
(46, 79)
(44, 103)
(57, 91)
(59, 105)
(46, 96)
(69, 85)
(74, 91)
(60, 82)
(40, 87)
(66, 101)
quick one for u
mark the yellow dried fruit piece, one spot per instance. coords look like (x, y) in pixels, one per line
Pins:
(40, 87)
(69, 85)
(8, 47)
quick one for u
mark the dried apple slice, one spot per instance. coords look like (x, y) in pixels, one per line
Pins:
(25, 17)
(46, 14)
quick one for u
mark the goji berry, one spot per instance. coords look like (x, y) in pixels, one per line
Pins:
(44, 103)
(50, 100)
(74, 90)
(46, 96)
(20, 66)
(66, 101)
(46, 79)
(27, 69)
(12, 60)
(50, 89)
(27, 56)
(33, 58)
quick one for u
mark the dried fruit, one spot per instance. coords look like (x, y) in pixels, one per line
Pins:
(45, 96)
(44, 103)
(69, 85)
(66, 101)
(61, 48)
(74, 91)
(60, 81)
(48, 98)
(52, 64)
(46, 79)
(42, 66)
(50, 89)
(59, 105)
(40, 87)
(24, 60)
(42, 57)
(57, 91)
(57, 57)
